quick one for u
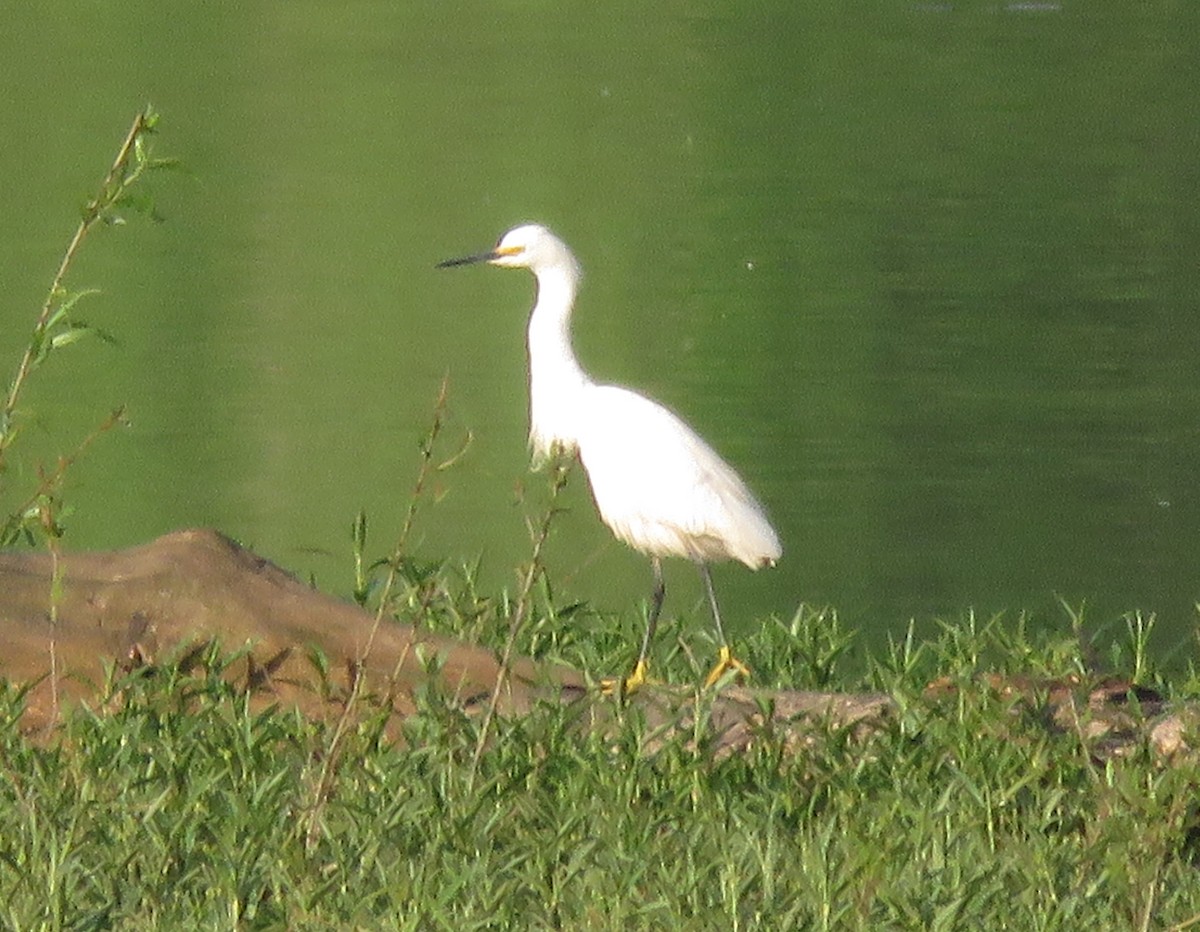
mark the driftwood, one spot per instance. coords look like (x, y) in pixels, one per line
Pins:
(166, 602)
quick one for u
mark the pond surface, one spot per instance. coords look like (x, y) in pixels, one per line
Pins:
(926, 273)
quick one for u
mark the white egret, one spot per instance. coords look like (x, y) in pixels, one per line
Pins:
(657, 485)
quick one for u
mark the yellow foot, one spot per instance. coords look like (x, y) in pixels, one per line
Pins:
(726, 662)
(629, 685)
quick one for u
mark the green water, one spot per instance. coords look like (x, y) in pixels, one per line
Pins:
(926, 273)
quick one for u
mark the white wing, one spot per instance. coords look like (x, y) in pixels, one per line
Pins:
(661, 489)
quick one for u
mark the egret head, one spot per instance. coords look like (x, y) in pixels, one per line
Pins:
(528, 247)
(531, 247)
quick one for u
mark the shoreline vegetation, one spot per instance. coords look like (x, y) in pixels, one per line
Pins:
(190, 737)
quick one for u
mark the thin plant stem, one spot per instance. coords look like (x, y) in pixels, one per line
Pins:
(52, 543)
(115, 182)
(44, 504)
(533, 571)
(48, 482)
(358, 670)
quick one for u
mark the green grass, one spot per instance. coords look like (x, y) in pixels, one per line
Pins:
(183, 808)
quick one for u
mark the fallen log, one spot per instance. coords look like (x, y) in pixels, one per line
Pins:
(168, 601)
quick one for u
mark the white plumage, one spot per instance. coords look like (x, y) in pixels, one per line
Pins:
(657, 485)
(661, 489)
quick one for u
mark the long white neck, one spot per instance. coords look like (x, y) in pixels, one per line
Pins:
(555, 376)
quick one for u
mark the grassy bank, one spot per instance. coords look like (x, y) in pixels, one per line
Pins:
(185, 809)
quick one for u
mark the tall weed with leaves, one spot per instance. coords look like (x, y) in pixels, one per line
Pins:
(36, 516)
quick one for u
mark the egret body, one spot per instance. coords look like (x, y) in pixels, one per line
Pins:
(657, 485)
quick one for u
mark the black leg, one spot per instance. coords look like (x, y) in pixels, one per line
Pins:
(726, 661)
(712, 601)
(656, 603)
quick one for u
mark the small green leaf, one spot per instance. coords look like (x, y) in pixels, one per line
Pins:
(73, 298)
(69, 336)
(359, 531)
